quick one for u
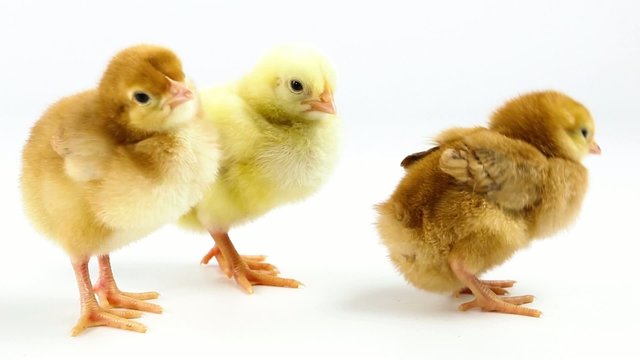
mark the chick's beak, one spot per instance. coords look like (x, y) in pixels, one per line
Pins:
(594, 148)
(179, 94)
(325, 104)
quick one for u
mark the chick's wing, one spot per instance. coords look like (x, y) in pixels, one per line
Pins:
(510, 172)
(85, 153)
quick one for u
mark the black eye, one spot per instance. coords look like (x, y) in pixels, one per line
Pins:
(296, 86)
(585, 133)
(141, 97)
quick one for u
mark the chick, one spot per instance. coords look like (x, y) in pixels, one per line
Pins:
(482, 194)
(279, 140)
(107, 166)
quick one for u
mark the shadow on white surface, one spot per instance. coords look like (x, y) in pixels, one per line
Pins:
(400, 301)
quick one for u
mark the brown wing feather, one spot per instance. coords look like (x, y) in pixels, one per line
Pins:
(407, 161)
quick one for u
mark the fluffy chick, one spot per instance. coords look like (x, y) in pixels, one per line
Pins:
(482, 194)
(107, 166)
(279, 141)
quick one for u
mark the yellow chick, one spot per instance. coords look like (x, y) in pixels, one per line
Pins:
(482, 194)
(107, 166)
(279, 141)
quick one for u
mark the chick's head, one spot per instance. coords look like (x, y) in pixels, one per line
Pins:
(292, 83)
(551, 121)
(144, 89)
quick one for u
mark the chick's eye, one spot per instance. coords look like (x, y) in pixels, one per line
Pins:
(296, 86)
(585, 133)
(141, 97)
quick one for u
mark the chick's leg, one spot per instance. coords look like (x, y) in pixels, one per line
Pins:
(244, 275)
(92, 314)
(111, 296)
(486, 299)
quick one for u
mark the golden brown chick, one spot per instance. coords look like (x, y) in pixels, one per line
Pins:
(482, 194)
(107, 166)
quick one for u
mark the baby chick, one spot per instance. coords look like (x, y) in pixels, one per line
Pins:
(279, 140)
(107, 166)
(482, 194)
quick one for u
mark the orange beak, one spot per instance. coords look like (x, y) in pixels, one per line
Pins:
(594, 148)
(179, 93)
(325, 104)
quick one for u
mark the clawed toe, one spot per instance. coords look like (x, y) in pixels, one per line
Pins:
(507, 305)
(132, 301)
(247, 278)
(106, 317)
(246, 270)
(487, 291)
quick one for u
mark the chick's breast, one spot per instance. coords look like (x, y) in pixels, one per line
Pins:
(125, 199)
(562, 193)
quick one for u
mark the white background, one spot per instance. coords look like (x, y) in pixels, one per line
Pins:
(405, 72)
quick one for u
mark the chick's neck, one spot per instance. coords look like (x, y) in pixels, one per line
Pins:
(541, 137)
(277, 117)
(125, 134)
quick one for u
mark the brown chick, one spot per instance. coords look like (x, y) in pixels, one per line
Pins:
(107, 166)
(467, 205)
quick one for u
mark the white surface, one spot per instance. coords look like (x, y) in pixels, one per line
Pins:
(405, 72)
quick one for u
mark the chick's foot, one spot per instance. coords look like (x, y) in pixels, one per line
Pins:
(92, 314)
(116, 318)
(110, 296)
(502, 304)
(247, 270)
(497, 286)
(486, 299)
(254, 262)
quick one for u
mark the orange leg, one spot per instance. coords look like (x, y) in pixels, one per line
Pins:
(486, 299)
(247, 271)
(110, 296)
(497, 286)
(92, 314)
